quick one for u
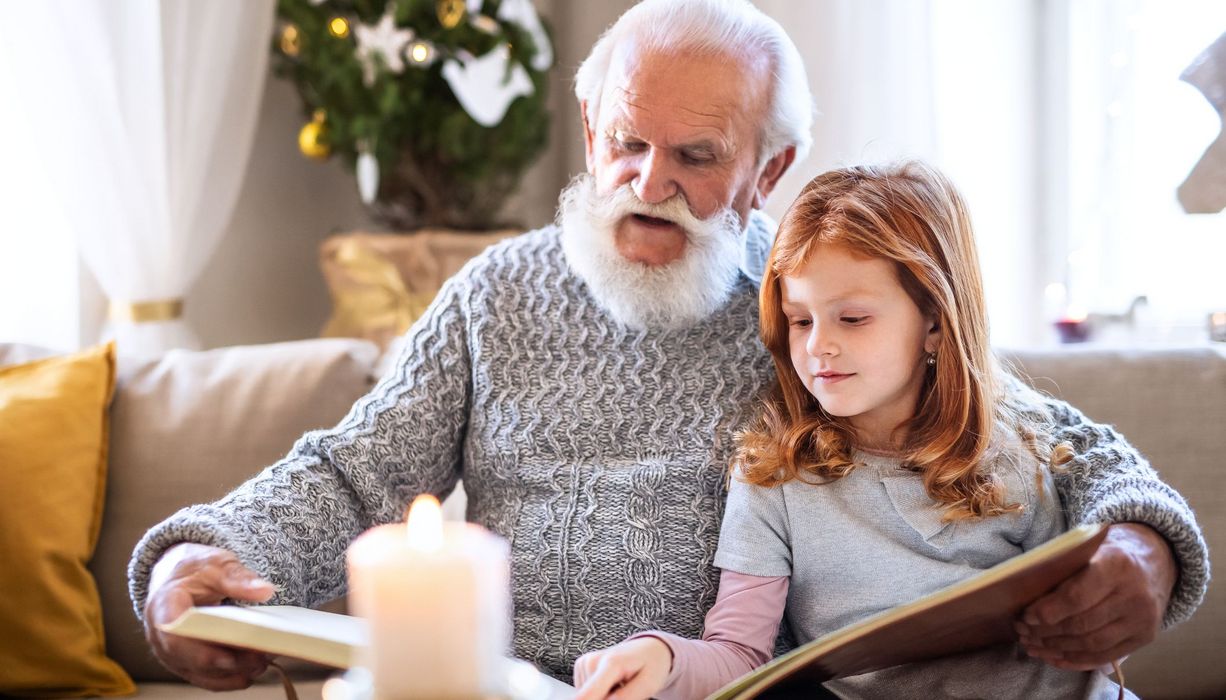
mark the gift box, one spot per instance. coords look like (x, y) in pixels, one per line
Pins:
(382, 282)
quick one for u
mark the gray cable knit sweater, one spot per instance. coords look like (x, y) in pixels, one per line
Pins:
(597, 450)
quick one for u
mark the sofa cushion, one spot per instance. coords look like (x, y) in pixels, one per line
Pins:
(190, 426)
(18, 353)
(53, 463)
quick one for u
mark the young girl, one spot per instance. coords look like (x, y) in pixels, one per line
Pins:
(895, 458)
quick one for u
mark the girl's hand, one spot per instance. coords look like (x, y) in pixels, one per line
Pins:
(633, 670)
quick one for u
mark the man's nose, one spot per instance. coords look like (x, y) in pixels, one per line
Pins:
(656, 180)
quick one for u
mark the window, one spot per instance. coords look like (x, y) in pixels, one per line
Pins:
(1134, 131)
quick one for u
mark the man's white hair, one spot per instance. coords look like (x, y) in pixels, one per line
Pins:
(706, 27)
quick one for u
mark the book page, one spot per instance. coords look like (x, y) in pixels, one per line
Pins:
(342, 629)
(326, 638)
(322, 637)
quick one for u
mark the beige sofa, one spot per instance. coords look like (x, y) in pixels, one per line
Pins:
(188, 427)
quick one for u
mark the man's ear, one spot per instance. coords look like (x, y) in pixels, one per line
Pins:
(771, 172)
(589, 137)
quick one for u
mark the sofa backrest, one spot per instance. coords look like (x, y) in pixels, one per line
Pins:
(1171, 405)
(190, 426)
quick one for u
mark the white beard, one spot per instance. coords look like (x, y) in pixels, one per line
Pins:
(641, 296)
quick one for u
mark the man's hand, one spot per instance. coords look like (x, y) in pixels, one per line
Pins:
(194, 574)
(1109, 609)
(633, 670)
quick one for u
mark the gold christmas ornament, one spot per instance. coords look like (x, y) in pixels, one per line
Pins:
(312, 138)
(450, 12)
(338, 27)
(290, 43)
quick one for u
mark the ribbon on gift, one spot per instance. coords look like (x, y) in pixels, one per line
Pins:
(372, 297)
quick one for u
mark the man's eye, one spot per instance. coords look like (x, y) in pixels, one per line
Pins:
(631, 146)
(697, 157)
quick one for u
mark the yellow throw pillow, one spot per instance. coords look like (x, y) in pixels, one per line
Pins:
(53, 444)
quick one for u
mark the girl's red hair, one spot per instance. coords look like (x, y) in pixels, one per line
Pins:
(912, 215)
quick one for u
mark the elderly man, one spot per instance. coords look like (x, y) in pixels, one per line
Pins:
(586, 380)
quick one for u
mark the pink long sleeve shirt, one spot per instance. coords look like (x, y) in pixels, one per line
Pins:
(739, 635)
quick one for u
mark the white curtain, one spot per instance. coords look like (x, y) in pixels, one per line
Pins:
(869, 64)
(947, 81)
(145, 111)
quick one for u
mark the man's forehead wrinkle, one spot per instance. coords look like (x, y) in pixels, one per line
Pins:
(627, 83)
(632, 101)
(710, 115)
(629, 98)
(627, 94)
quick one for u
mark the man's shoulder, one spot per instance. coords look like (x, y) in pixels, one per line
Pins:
(759, 237)
(539, 240)
(526, 253)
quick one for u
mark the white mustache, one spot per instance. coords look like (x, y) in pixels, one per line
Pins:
(623, 202)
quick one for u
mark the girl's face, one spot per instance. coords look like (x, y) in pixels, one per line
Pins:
(858, 342)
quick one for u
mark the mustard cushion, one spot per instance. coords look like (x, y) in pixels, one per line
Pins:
(53, 458)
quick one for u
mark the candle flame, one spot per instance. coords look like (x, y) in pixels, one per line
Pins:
(425, 528)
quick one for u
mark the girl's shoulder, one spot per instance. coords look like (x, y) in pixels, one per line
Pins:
(1025, 405)
(1012, 459)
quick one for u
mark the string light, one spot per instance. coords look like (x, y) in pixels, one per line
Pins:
(338, 27)
(421, 52)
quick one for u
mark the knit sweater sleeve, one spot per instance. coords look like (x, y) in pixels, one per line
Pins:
(1108, 481)
(292, 522)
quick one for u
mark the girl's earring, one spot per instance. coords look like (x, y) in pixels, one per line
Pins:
(932, 359)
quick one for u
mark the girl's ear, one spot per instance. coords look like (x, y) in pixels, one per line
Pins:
(933, 340)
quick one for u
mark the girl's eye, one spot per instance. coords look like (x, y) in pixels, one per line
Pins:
(799, 322)
(853, 320)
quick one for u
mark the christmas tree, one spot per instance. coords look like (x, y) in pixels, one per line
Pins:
(438, 106)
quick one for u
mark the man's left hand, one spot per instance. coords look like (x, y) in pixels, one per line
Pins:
(1109, 609)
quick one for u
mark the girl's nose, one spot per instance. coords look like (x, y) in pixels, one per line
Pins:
(820, 342)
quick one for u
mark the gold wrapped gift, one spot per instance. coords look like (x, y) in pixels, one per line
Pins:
(382, 282)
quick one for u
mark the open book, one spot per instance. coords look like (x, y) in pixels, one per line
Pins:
(322, 637)
(972, 614)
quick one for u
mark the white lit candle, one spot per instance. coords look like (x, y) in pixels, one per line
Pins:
(436, 598)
